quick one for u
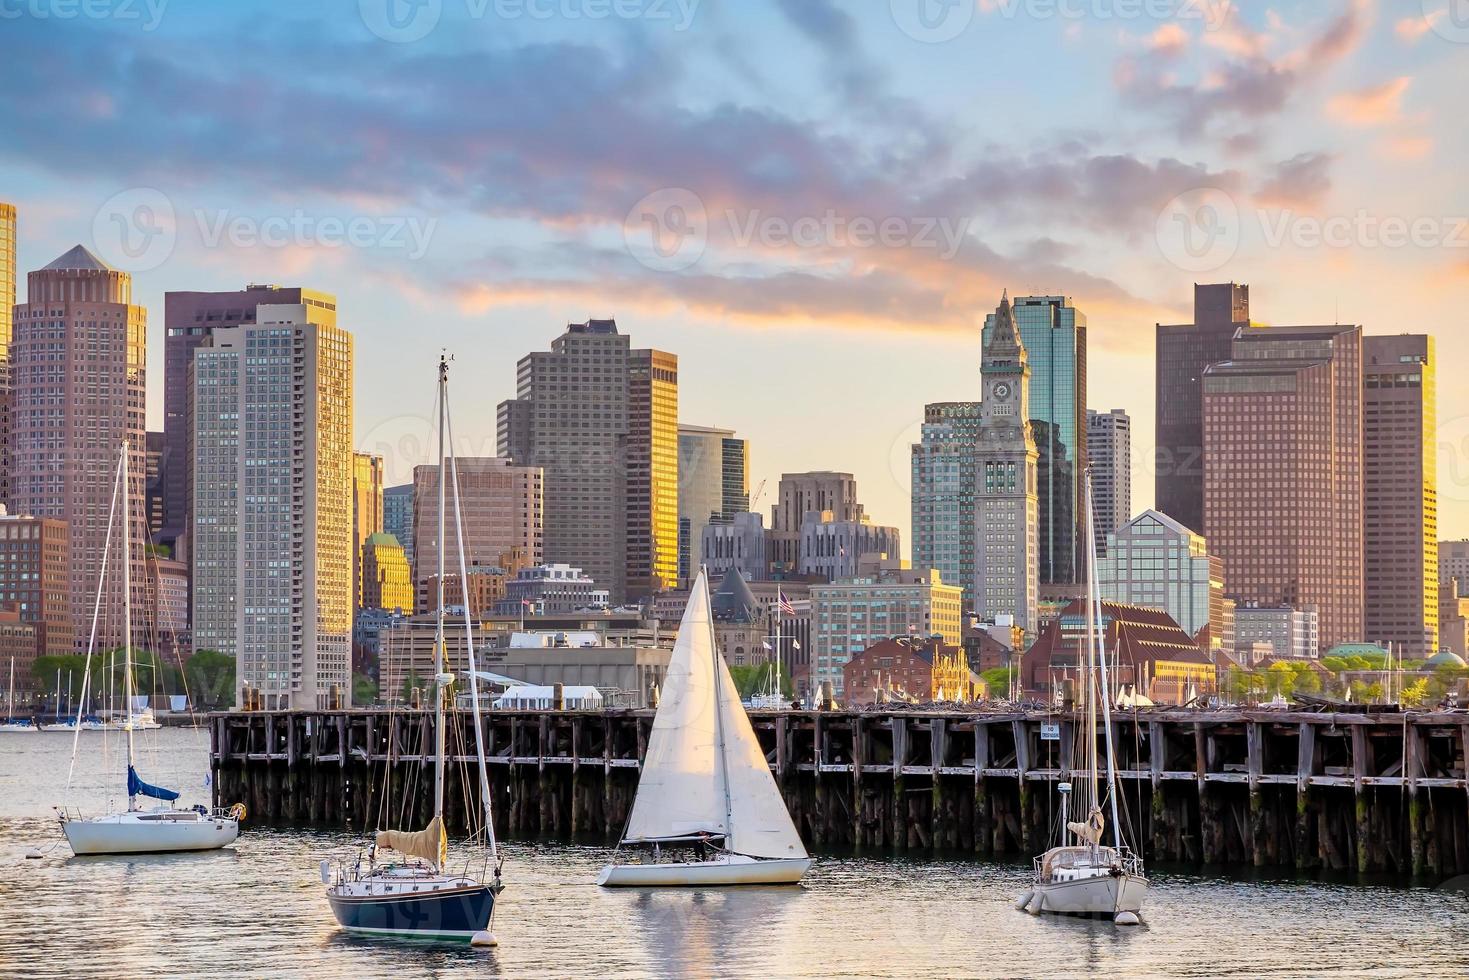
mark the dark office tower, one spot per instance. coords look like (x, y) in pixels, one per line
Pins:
(1183, 352)
(1054, 335)
(7, 308)
(1400, 493)
(188, 320)
(1283, 472)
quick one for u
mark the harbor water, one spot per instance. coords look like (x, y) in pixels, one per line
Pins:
(257, 909)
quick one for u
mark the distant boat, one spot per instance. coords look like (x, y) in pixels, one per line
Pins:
(707, 810)
(420, 897)
(1082, 876)
(12, 723)
(135, 830)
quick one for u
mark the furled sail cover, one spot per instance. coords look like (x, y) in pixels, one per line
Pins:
(136, 787)
(682, 788)
(430, 843)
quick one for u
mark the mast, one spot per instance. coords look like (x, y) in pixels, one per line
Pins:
(439, 614)
(1095, 593)
(127, 614)
(719, 743)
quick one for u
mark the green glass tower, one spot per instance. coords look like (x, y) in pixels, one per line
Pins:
(1054, 334)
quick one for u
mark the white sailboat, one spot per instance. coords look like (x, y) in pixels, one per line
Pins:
(420, 896)
(1082, 876)
(136, 830)
(707, 810)
(12, 723)
(771, 696)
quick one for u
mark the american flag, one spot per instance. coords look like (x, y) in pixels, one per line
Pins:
(527, 603)
(786, 609)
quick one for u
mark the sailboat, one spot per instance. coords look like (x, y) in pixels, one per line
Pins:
(419, 896)
(1081, 875)
(136, 830)
(12, 723)
(707, 810)
(771, 697)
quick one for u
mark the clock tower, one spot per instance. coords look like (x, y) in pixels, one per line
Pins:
(1006, 509)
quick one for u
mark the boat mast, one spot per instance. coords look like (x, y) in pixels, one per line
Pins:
(1091, 563)
(127, 613)
(719, 718)
(439, 615)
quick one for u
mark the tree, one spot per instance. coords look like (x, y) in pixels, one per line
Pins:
(364, 689)
(211, 677)
(753, 679)
(997, 679)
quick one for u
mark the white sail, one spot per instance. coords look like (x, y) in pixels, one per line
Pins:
(682, 789)
(760, 823)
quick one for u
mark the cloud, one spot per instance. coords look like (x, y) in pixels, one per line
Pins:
(1408, 147)
(1410, 29)
(1374, 106)
(1301, 181)
(1170, 39)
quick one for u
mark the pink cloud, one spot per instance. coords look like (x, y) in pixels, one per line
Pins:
(1410, 29)
(1375, 106)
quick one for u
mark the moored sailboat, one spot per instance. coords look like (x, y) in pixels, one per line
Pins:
(11, 722)
(1081, 875)
(707, 810)
(419, 897)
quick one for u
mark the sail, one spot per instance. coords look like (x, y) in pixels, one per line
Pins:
(430, 843)
(136, 787)
(761, 824)
(681, 791)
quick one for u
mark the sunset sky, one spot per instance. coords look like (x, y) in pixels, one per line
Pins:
(812, 203)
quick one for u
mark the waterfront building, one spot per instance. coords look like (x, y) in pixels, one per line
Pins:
(944, 488)
(1400, 493)
(8, 279)
(367, 517)
(387, 582)
(272, 503)
(601, 420)
(833, 549)
(79, 359)
(189, 318)
(713, 486)
(884, 600)
(398, 517)
(1283, 471)
(1290, 633)
(550, 590)
(486, 585)
(1183, 352)
(35, 579)
(919, 669)
(1007, 509)
(153, 483)
(1109, 452)
(503, 508)
(798, 495)
(167, 625)
(1053, 334)
(738, 544)
(1453, 618)
(1155, 561)
(1153, 655)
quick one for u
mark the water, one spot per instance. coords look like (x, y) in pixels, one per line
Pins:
(257, 910)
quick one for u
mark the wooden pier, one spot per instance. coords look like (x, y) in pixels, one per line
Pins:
(1273, 789)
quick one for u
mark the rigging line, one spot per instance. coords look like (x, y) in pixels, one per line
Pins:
(92, 638)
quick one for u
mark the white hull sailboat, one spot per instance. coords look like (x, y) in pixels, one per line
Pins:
(165, 829)
(1082, 876)
(707, 810)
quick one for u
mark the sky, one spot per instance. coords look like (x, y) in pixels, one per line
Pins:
(812, 202)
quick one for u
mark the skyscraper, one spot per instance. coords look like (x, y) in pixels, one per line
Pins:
(367, 515)
(386, 582)
(1007, 535)
(7, 309)
(503, 506)
(944, 481)
(272, 502)
(1053, 333)
(79, 361)
(398, 516)
(601, 420)
(1109, 452)
(1400, 493)
(1183, 352)
(713, 477)
(798, 495)
(188, 320)
(1283, 471)
(1155, 561)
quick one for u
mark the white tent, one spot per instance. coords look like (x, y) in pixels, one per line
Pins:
(531, 696)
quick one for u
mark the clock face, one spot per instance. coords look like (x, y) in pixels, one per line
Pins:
(1002, 390)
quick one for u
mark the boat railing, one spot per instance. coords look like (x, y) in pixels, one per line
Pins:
(67, 813)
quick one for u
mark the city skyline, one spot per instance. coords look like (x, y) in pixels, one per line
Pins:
(1353, 94)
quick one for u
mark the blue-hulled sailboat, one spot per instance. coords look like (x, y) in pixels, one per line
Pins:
(415, 894)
